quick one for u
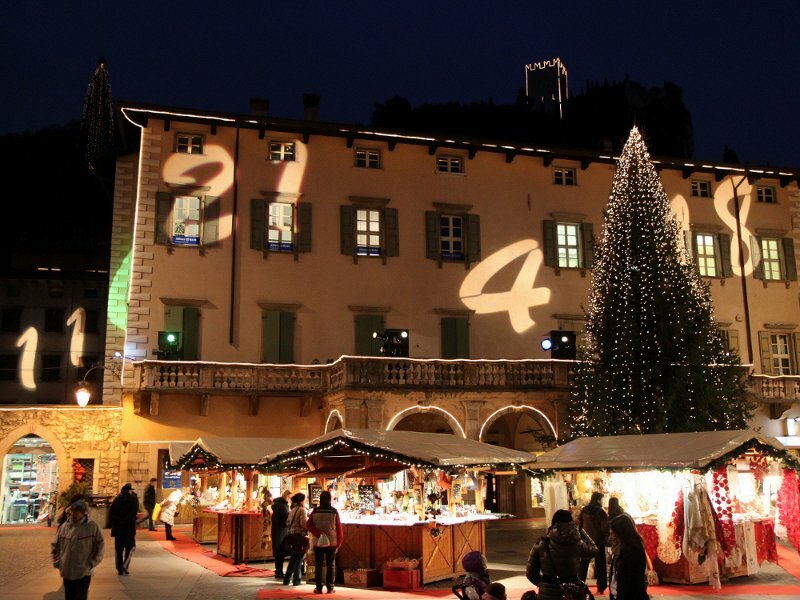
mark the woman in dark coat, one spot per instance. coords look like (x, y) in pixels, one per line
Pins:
(628, 568)
(556, 556)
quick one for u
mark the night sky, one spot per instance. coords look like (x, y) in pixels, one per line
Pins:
(737, 62)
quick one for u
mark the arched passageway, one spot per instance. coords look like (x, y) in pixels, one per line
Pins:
(29, 481)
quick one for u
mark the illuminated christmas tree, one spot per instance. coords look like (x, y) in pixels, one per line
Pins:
(655, 360)
(97, 125)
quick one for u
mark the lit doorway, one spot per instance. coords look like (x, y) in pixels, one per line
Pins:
(30, 482)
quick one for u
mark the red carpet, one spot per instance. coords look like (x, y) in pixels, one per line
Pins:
(185, 547)
(789, 560)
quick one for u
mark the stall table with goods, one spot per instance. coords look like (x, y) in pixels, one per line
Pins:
(706, 504)
(230, 514)
(411, 503)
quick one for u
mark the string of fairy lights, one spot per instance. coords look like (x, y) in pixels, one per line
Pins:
(655, 359)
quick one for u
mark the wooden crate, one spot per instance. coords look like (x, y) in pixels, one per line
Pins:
(363, 578)
(401, 580)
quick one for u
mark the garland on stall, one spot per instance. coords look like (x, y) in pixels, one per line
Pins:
(789, 506)
(785, 457)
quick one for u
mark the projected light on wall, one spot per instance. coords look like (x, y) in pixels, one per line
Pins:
(213, 169)
(523, 294)
(28, 342)
(77, 321)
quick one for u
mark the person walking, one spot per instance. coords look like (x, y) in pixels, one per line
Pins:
(279, 529)
(629, 564)
(326, 539)
(296, 523)
(594, 521)
(77, 550)
(266, 517)
(149, 503)
(168, 509)
(122, 515)
(556, 557)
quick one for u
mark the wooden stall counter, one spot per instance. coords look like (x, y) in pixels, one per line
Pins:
(438, 546)
(205, 526)
(239, 536)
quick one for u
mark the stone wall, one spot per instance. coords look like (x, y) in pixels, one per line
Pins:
(92, 432)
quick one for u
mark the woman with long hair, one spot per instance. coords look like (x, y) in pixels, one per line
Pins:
(628, 568)
(296, 522)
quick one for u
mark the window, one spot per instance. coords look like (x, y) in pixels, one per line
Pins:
(781, 360)
(449, 164)
(368, 158)
(54, 320)
(730, 338)
(187, 220)
(281, 151)
(91, 323)
(453, 234)
(773, 259)
(701, 189)
(568, 245)
(369, 228)
(186, 320)
(189, 143)
(277, 335)
(91, 293)
(11, 320)
(366, 325)
(455, 337)
(280, 226)
(8, 367)
(563, 176)
(51, 367)
(778, 352)
(765, 194)
(55, 292)
(710, 252)
(706, 255)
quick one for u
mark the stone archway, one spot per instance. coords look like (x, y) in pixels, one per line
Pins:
(418, 418)
(334, 421)
(514, 422)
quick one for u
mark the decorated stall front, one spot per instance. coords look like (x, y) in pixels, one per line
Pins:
(706, 504)
(227, 500)
(408, 500)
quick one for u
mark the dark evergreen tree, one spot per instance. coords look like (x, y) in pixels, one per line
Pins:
(655, 360)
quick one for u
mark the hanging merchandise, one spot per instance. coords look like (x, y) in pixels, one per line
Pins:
(789, 506)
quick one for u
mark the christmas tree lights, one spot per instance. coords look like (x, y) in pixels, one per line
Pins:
(655, 360)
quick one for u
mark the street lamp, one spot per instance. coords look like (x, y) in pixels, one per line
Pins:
(83, 392)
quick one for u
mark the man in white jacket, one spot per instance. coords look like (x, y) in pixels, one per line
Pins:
(77, 550)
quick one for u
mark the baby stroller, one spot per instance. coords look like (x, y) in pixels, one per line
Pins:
(477, 578)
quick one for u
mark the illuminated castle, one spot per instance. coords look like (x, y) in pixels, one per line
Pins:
(546, 86)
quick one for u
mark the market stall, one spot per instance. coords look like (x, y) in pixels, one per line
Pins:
(228, 513)
(402, 495)
(705, 503)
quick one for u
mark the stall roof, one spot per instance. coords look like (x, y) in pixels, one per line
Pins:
(660, 450)
(432, 449)
(231, 450)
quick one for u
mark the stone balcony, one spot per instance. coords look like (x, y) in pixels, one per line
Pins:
(355, 373)
(779, 393)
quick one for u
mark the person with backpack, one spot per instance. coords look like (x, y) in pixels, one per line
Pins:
(555, 559)
(594, 521)
(327, 536)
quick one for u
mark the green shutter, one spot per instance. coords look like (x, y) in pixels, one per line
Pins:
(788, 259)
(258, 214)
(211, 220)
(304, 227)
(587, 242)
(391, 232)
(755, 257)
(432, 244)
(366, 325)
(472, 227)
(286, 354)
(462, 337)
(455, 337)
(173, 318)
(725, 265)
(347, 224)
(270, 336)
(766, 352)
(163, 209)
(550, 258)
(191, 333)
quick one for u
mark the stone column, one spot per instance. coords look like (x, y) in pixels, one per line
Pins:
(375, 413)
(352, 412)
(472, 417)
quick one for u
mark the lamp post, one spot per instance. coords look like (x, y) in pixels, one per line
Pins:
(83, 392)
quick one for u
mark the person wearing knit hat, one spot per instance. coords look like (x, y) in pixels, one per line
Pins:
(495, 591)
(77, 550)
(123, 515)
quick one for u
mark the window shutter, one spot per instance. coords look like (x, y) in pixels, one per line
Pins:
(258, 213)
(462, 337)
(432, 244)
(163, 209)
(286, 354)
(766, 352)
(725, 267)
(366, 325)
(270, 336)
(688, 238)
(449, 337)
(304, 227)
(550, 243)
(587, 241)
(211, 220)
(732, 336)
(191, 333)
(788, 259)
(173, 318)
(347, 224)
(392, 235)
(755, 257)
(795, 353)
(473, 223)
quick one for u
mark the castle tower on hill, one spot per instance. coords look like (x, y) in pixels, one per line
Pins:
(546, 86)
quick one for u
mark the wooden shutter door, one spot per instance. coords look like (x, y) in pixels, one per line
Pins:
(473, 229)
(449, 346)
(587, 243)
(392, 233)
(462, 337)
(191, 333)
(211, 220)
(432, 245)
(270, 336)
(790, 272)
(258, 225)
(304, 227)
(347, 226)
(755, 257)
(766, 352)
(286, 340)
(366, 325)
(550, 259)
(725, 263)
(163, 210)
